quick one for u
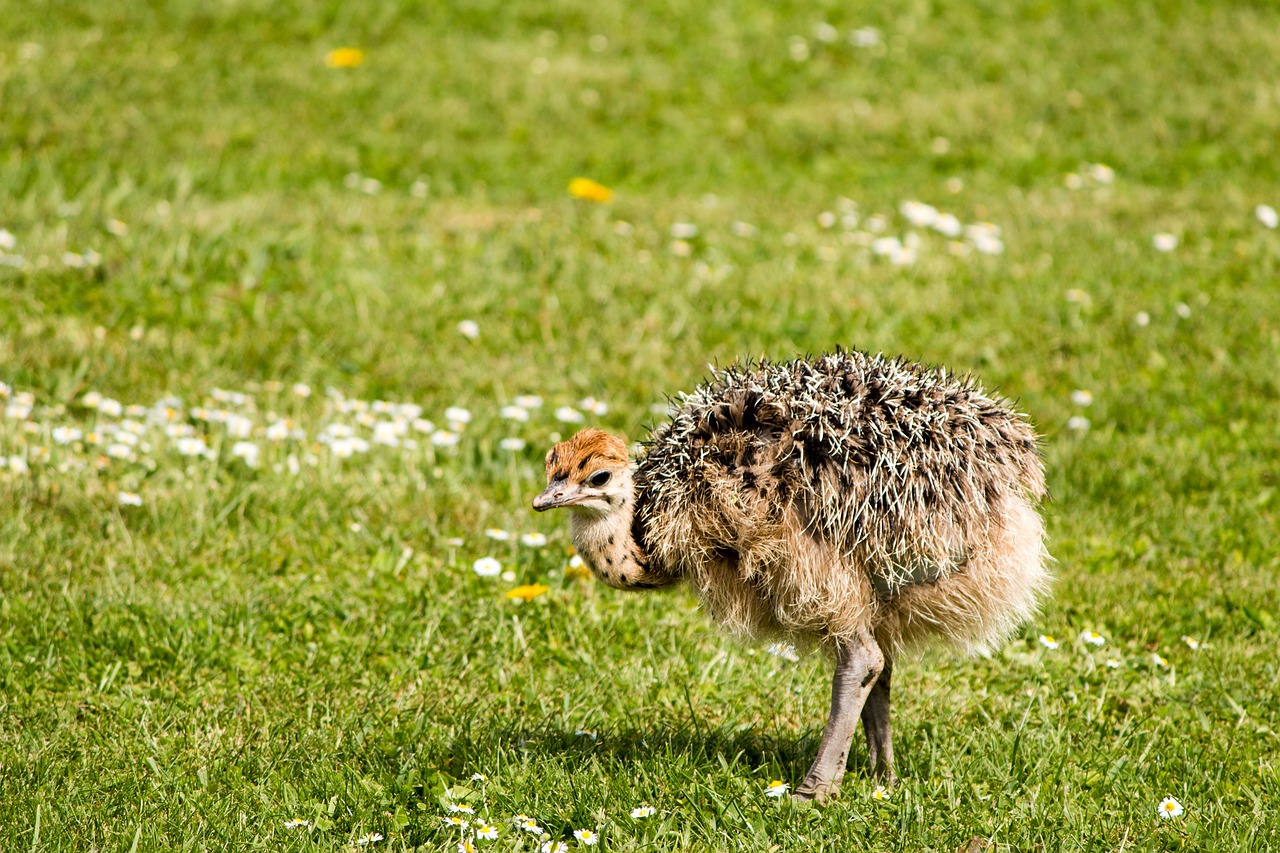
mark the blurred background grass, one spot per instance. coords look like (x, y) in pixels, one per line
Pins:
(237, 654)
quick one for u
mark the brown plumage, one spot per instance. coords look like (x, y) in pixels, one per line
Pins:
(864, 503)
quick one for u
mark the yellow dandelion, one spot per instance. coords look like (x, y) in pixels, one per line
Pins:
(527, 591)
(344, 57)
(589, 190)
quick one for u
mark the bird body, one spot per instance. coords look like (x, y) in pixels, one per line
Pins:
(860, 502)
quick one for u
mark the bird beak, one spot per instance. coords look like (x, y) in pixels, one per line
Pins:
(557, 494)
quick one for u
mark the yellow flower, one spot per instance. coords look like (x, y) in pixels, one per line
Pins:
(344, 57)
(585, 188)
(528, 591)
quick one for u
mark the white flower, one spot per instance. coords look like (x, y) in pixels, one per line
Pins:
(294, 824)
(1112, 663)
(387, 433)
(786, 651)
(586, 836)
(278, 431)
(465, 846)
(554, 847)
(823, 31)
(880, 793)
(1192, 642)
(569, 415)
(461, 809)
(1102, 173)
(130, 499)
(918, 213)
(1164, 242)
(513, 444)
(529, 401)
(744, 229)
(533, 540)
(17, 464)
(1169, 808)
(66, 434)
(1182, 309)
(681, 248)
(1142, 318)
(594, 406)
(509, 576)
(1048, 642)
(119, 450)
(864, 37)
(111, 408)
(1082, 397)
(487, 567)
(514, 413)
(497, 534)
(456, 822)
(948, 225)
(479, 777)
(457, 415)
(1267, 215)
(1157, 660)
(192, 446)
(684, 231)
(444, 438)
(530, 825)
(776, 789)
(7, 240)
(486, 831)
(371, 838)
(246, 450)
(301, 390)
(1093, 638)
(641, 812)
(1078, 424)
(469, 329)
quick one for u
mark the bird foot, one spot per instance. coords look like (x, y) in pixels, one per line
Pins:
(821, 790)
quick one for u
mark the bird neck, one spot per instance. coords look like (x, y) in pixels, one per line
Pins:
(606, 542)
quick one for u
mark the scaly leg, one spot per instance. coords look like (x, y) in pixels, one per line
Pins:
(875, 719)
(859, 662)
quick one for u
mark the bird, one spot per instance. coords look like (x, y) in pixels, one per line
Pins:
(865, 504)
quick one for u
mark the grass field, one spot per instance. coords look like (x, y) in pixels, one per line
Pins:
(246, 292)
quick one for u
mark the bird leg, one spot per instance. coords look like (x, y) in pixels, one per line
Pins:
(875, 719)
(859, 662)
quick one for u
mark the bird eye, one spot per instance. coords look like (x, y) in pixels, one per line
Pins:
(599, 478)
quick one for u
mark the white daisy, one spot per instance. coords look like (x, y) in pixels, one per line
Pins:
(469, 329)
(776, 789)
(533, 540)
(684, 230)
(1267, 215)
(586, 836)
(370, 838)
(513, 444)
(1192, 642)
(1092, 638)
(457, 415)
(294, 824)
(569, 415)
(514, 413)
(1081, 397)
(554, 847)
(1157, 660)
(529, 401)
(130, 499)
(642, 812)
(487, 567)
(461, 809)
(1048, 642)
(1164, 242)
(1169, 808)
(486, 831)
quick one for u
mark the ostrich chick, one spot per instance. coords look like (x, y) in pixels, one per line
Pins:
(862, 503)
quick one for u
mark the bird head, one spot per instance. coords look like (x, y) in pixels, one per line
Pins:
(589, 473)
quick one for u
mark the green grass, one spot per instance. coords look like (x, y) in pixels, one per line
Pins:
(252, 646)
